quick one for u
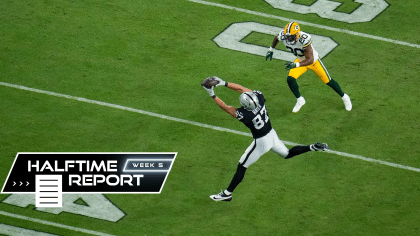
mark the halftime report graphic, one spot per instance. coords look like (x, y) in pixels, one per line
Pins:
(49, 175)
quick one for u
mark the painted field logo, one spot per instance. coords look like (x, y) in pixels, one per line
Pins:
(49, 175)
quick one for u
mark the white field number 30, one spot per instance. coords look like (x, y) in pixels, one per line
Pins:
(231, 38)
(367, 11)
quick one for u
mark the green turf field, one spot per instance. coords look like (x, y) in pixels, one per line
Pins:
(153, 55)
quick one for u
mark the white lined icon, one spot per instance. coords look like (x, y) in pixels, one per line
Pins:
(48, 191)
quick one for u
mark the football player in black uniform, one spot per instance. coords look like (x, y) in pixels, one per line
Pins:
(253, 113)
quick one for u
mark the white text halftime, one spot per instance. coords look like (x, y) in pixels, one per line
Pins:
(87, 168)
(81, 165)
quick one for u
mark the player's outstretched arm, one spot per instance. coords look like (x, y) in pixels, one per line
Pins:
(238, 88)
(269, 54)
(229, 109)
(233, 86)
(275, 42)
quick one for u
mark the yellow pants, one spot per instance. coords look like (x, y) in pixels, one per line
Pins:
(316, 67)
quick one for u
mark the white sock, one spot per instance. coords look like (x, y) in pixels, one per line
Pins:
(312, 147)
(227, 192)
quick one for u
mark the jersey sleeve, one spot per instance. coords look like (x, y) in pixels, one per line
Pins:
(280, 37)
(260, 96)
(239, 114)
(305, 40)
(243, 115)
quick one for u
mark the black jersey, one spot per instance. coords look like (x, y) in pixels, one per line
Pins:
(256, 120)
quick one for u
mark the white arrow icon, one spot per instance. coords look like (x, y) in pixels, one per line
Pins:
(20, 183)
(27, 183)
(14, 183)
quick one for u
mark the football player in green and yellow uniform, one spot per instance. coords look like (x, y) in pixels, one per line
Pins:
(300, 44)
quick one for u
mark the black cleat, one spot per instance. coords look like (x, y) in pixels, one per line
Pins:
(319, 147)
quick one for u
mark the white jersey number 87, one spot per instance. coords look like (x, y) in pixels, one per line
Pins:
(258, 121)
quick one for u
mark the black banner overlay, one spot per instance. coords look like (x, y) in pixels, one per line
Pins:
(92, 172)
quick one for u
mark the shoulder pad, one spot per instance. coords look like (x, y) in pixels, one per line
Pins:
(305, 39)
(281, 36)
(239, 115)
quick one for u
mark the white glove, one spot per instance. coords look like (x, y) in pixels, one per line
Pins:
(221, 82)
(210, 91)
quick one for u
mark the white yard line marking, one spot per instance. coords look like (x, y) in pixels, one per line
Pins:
(54, 224)
(18, 231)
(306, 23)
(194, 123)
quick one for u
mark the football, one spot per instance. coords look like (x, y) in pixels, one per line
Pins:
(209, 82)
